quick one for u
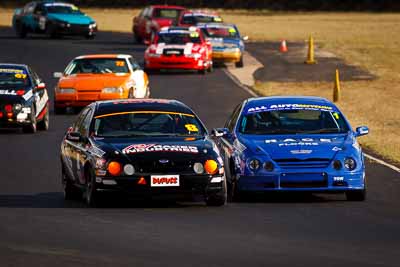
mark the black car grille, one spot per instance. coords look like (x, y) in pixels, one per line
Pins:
(303, 180)
(173, 52)
(157, 166)
(294, 163)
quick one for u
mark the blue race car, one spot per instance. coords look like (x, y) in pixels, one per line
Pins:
(227, 44)
(292, 144)
(54, 19)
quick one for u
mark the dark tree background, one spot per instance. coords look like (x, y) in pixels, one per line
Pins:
(279, 5)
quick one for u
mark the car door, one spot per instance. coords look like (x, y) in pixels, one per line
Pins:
(81, 150)
(41, 97)
(141, 28)
(39, 18)
(226, 142)
(72, 148)
(28, 19)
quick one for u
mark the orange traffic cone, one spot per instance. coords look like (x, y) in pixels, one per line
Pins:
(283, 47)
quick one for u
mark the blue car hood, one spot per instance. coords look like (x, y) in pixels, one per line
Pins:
(300, 147)
(71, 18)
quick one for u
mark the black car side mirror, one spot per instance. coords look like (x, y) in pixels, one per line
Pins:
(220, 132)
(74, 137)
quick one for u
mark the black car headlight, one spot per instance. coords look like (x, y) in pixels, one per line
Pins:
(254, 164)
(350, 163)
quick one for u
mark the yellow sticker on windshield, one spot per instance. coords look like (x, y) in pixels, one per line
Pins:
(73, 7)
(191, 127)
(120, 63)
(232, 30)
(336, 115)
(20, 76)
(217, 19)
(194, 34)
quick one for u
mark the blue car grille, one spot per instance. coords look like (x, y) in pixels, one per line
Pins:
(294, 163)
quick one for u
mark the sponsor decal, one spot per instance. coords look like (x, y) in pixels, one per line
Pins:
(289, 107)
(301, 151)
(8, 92)
(336, 148)
(11, 71)
(338, 178)
(144, 148)
(298, 142)
(164, 180)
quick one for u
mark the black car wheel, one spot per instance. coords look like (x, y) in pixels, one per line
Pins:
(210, 68)
(21, 30)
(239, 64)
(131, 94)
(43, 125)
(356, 195)
(51, 31)
(31, 127)
(217, 199)
(71, 192)
(91, 195)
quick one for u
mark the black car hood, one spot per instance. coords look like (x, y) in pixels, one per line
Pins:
(164, 155)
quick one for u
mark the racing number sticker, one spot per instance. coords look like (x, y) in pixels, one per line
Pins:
(20, 76)
(119, 63)
(336, 115)
(194, 34)
(191, 127)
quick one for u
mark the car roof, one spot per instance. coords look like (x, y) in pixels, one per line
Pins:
(167, 7)
(199, 12)
(104, 56)
(12, 65)
(147, 104)
(214, 24)
(276, 100)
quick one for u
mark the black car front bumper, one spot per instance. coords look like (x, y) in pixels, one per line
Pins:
(190, 185)
(75, 29)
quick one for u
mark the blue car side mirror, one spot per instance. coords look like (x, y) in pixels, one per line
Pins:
(220, 132)
(362, 130)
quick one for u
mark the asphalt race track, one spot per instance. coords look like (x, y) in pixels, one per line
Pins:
(37, 228)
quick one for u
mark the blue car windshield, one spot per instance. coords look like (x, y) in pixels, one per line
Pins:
(293, 122)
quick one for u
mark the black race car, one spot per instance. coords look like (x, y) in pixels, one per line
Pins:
(24, 102)
(143, 147)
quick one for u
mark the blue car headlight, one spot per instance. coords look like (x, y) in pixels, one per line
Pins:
(350, 163)
(254, 164)
(269, 166)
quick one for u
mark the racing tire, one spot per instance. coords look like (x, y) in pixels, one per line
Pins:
(91, 195)
(51, 31)
(43, 125)
(219, 199)
(137, 39)
(59, 110)
(131, 94)
(89, 36)
(32, 127)
(210, 68)
(356, 195)
(203, 71)
(71, 192)
(239, 64)
(21, 30)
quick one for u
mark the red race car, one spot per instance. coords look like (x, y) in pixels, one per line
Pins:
(179, 48)
(152, 18)
(192, 17)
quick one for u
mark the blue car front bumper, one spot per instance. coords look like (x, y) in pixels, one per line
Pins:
(302, 181)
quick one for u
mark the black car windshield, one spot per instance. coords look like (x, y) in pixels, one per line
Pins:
(293, 122)
(97, 65)
(62, 8)
(147, 123)
(168, 13)
(221, 32)
(13, 77)
(181, 37)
